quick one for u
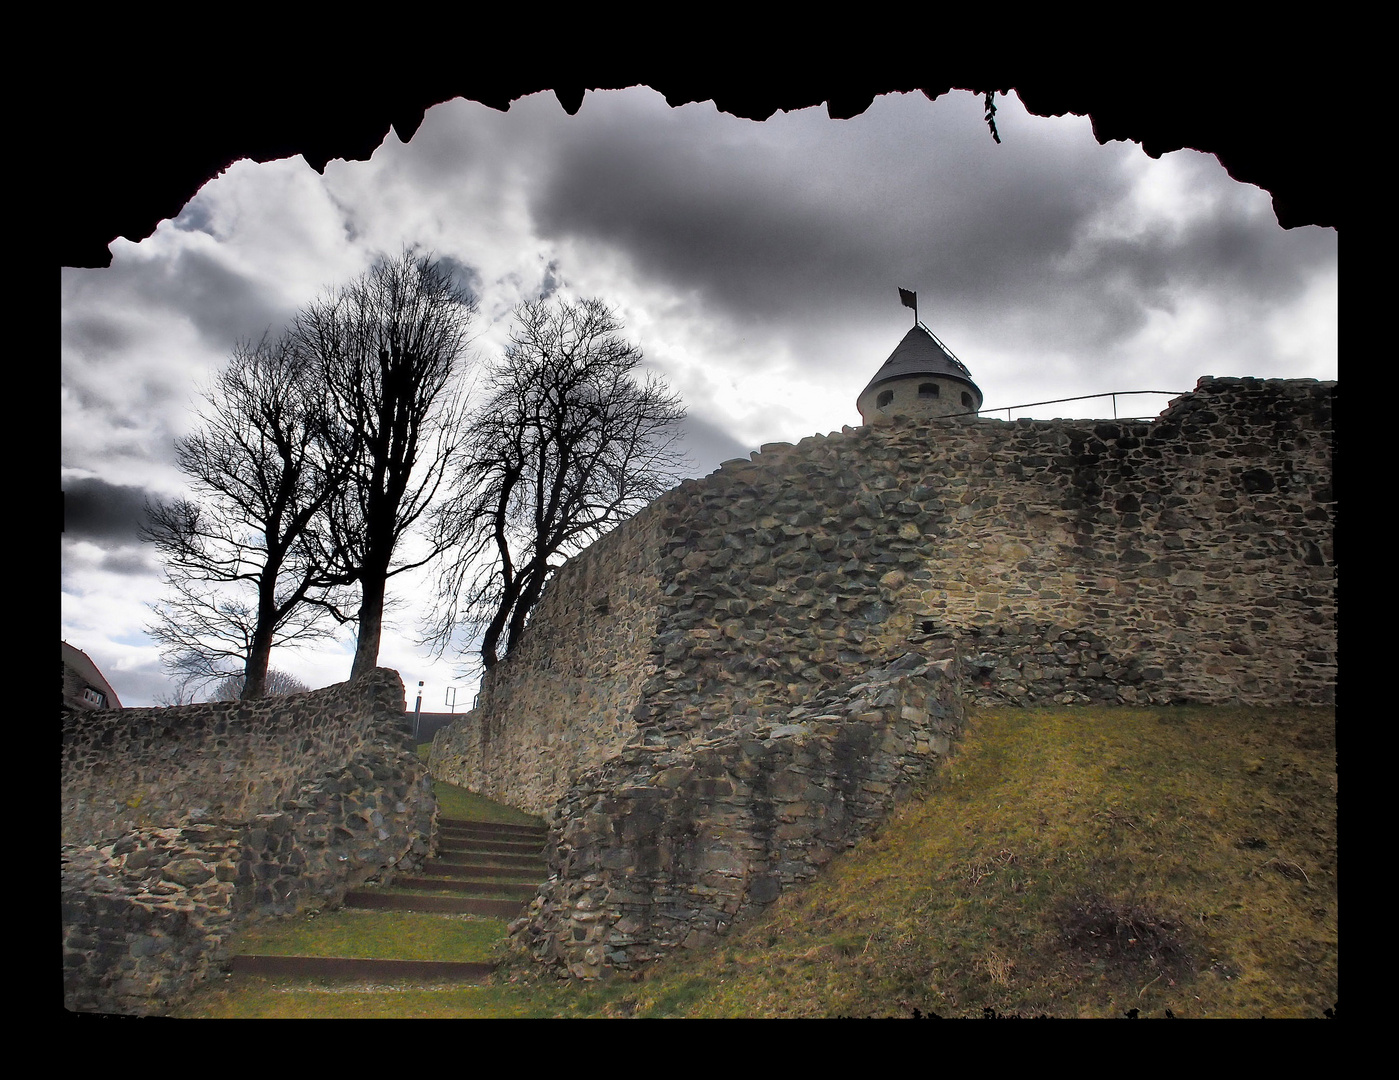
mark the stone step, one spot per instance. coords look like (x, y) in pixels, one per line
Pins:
(338, 967)
(456, 905)
(521, 874)
(526, 839)
(511, 847)
(522, 890)
(498, 867)
(492, 858)
(491, 826)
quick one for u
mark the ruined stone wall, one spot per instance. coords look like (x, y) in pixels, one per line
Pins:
(1193, 556)
(123, 768)
(145, 917)
(564, 700)
(1188, 558)
(665, 848)
(188, 820)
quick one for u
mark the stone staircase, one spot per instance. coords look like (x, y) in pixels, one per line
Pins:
(480, 868)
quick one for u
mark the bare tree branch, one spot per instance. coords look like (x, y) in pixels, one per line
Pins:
(278, 683)
(568, 445)
(244, 560)
(390, 348)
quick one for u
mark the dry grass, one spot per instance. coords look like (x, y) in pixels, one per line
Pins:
(1082, 862)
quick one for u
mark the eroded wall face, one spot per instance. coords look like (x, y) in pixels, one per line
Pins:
(185, 821)
(664, 848)
(226, 760)
(1186, 559)
(564, 700)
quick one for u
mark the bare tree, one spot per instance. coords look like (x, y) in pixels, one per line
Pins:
(278, 683)
(568, 445)
(390, 349)
(180, 693)
(244, 560)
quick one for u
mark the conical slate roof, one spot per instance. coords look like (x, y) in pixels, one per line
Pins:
(920, 353)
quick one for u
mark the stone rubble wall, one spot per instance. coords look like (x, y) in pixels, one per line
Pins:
(1195, 549)
(1185, 559)
(145, 916)
(1030, 663)
(664, 848)
(564, 700)
(123, 768)
(148, 907)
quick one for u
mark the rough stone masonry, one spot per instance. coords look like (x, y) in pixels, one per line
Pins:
(180, 823)
(1185, 559)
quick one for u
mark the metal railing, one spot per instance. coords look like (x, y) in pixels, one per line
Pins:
(1114, 394)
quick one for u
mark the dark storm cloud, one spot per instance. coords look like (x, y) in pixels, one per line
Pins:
(814, 222)
(129, 561)
(98, 335)
(1218, 253)
(101, 512)
(552, 280)
(224, 305)
(1106, 291)
(813, 218)
(466, 277)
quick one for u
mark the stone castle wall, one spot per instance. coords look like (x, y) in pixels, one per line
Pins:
(1189, 558)
(1196, 550)
(179, 823)
(123, 768)
(725, 743)
(663, 848)
(564, 701)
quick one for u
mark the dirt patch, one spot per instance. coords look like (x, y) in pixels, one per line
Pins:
(1125, 937)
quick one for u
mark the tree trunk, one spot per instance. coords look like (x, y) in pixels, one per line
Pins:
(371, 624)
(255, 670)
(529, 596)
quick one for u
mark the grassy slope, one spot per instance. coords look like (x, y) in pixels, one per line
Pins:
(1070, 863)
(1075, 862)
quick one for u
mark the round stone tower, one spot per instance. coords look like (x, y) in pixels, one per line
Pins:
(920, 378)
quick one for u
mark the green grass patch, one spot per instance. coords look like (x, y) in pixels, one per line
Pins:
(458, 802)
(375, 935)
(1066, 862)
(258, 998)
(1071, 862)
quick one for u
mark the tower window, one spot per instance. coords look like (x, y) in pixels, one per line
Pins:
(967, 400)
(884, 399)
(928, 389)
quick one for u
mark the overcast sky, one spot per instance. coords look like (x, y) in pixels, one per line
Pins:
(755, 264)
